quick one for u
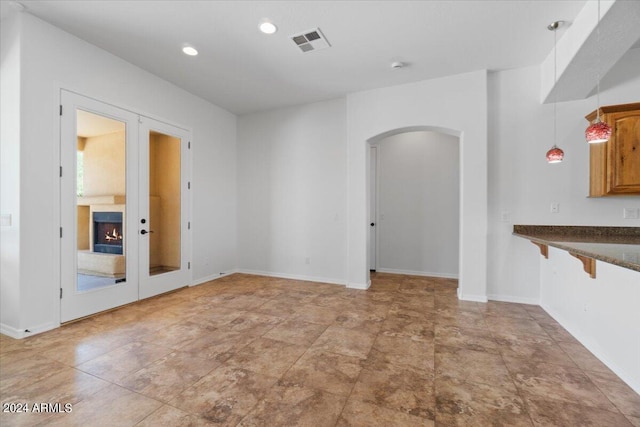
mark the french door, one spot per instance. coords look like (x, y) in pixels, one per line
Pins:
(163, 203)
(124, 207)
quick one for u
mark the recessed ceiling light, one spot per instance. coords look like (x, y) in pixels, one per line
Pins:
(190, 50)
(268, 27)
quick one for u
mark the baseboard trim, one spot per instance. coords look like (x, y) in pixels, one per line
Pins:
(293, 276)
(11, 331)
(622, 373)
(471, 297)
(514, 299)
(24, 333)
(417, 273)
(361, 286)
(212, 277)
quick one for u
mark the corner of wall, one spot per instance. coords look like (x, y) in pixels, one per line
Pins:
(10, 134)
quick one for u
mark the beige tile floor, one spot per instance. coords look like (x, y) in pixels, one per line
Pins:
(257, 351)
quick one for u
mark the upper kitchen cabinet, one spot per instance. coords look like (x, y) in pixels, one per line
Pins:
(614, 166)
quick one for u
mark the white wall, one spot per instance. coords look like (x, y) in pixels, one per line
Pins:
(521, 183)
(10, 170)
(457, 104)
(52, 58)
(602, 312)
(418, 204)
(292, 192)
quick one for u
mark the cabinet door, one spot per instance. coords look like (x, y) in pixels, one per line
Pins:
(598, 169)
(624, 152)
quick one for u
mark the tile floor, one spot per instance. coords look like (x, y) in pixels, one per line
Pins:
(257, 351)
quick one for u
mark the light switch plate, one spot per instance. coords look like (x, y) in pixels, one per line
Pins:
(630, 213)
(5, 220)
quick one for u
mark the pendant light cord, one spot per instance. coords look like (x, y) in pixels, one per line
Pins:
(555, 83)
(598, 64)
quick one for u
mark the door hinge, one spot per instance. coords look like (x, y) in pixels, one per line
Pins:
(189, 265)
(61, 232)
(60, 109)
(60, 171)
(189, 225)
(189, 145)
(60, 293)
(189, 185)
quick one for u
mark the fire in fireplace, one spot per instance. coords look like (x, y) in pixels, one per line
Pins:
(107, 232)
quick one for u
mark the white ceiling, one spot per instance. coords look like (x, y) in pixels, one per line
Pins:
(243, 70)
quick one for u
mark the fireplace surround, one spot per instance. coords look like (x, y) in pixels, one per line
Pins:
(97, 254)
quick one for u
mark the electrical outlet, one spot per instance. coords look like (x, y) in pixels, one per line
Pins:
(630, 213)
(555, 207)
(5, 220)
(505, 216)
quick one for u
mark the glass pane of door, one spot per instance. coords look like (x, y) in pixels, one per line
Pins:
(164, 203)
(101, 195)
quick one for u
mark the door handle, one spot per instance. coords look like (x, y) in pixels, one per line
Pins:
(373, 223)
(145, 231)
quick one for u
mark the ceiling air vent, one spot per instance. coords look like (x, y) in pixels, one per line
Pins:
(310, 40)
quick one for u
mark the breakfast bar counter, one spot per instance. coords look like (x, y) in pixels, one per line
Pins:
(614, 245)
(599, 310)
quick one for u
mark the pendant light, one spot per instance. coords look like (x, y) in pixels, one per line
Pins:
(598, 131)
(555, 154)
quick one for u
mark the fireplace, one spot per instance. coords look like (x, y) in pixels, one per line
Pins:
(107, 232)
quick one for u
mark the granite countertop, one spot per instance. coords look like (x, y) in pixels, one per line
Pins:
(614, 245)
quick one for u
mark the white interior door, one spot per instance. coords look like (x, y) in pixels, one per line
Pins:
(99, 209)
(373, 224)
(164, 225)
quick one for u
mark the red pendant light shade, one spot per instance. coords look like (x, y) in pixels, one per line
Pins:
(555, 155)
(598, 131)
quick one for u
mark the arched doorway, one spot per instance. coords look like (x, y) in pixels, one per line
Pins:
(414, 184)
(456, 105)
(371, 198)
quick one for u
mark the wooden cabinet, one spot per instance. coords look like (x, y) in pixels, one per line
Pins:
(614, 166)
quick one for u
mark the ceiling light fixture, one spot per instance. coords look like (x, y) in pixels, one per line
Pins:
(397, 64)
(555, 154)
(189, 50)
(268, 27)
(598, 131)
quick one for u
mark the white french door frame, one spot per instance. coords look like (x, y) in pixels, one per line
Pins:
(71, 303)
